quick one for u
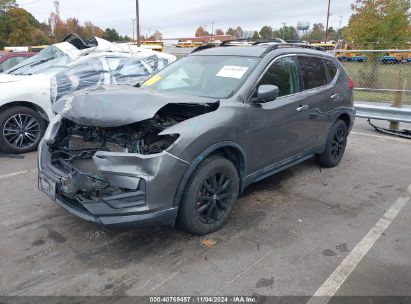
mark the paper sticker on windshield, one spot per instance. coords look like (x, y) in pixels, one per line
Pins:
(152, 80)
(232, 71)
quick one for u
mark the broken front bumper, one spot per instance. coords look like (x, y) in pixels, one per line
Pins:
(150, 183)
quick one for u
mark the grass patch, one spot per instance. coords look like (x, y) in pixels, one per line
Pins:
(386, 75)
(381, 76)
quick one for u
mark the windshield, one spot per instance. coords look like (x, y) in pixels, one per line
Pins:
(203, 76)
(48, 60)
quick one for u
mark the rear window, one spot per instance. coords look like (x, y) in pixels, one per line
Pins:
(313, 72)
(332, 69)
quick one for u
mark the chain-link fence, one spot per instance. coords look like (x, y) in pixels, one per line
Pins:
(379, 76)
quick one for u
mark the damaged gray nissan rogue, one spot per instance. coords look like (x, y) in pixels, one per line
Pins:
(181, 147)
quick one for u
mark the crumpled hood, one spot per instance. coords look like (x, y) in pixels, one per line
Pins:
(117, 106)
(6, 78)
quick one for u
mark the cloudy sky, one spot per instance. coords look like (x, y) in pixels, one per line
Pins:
(178, 18)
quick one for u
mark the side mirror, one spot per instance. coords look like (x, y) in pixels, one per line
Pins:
(267, 93)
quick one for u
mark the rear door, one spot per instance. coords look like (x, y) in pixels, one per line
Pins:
(318, 93)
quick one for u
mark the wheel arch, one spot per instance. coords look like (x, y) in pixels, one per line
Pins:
(346, 118)
(26, 104)
(230, 150)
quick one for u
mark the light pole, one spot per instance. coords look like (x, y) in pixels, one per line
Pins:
(328, 20)
(212, 31)
(284, 24)
(138, 23)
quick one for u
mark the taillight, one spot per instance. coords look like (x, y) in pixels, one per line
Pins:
(351, 84)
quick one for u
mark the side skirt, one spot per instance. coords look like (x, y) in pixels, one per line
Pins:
(280, 166)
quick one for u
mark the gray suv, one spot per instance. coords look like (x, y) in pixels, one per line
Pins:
(180, 148)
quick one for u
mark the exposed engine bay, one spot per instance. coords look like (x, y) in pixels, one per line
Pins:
(142, 137)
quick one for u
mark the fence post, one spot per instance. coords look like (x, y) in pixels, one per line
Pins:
(398, 98)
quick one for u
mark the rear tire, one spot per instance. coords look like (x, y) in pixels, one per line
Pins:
(21, 130)
(209, 196)
(335, 146)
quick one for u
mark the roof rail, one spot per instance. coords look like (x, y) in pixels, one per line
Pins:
(248, 41)
(204, 47)
(276, 46)
(271, 45)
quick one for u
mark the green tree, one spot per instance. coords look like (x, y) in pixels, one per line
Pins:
(255, 36)
(332, 34)
(20, 28)
(111, 35)
(379, 24)
(239, 33)
(288, 33)
(266, 32)
(5, 28)
(318, 32)
(231, 32)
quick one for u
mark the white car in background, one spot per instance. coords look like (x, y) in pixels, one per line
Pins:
(29, 89)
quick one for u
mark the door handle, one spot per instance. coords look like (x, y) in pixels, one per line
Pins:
(302, 108)
(335, 96)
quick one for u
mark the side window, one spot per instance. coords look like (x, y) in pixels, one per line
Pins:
(9, 63)
(20, 59)
(284, 74)
(313, 72)
(332, 69)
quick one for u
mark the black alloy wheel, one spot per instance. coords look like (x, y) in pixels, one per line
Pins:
(209, 196)
(335, 146)
(338, 144)
(213, 197)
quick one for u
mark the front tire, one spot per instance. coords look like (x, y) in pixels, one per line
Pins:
(21, 130)
(209, 196)
(335, 146)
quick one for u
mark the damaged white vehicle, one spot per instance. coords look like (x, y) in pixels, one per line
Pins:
(29, 89)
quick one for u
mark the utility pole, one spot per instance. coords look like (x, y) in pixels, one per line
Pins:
(339, 30)
(138, 23)
(328, 21)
